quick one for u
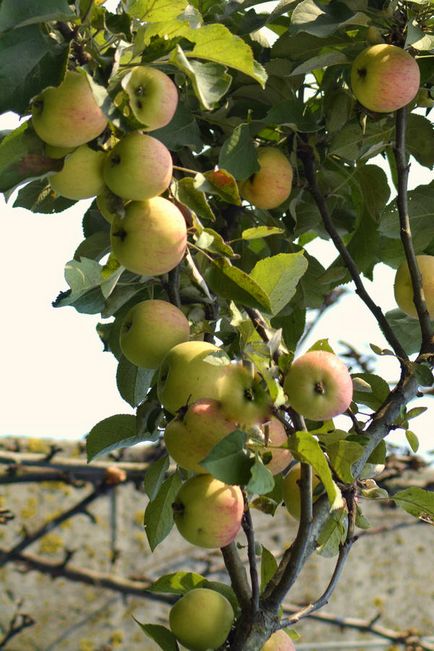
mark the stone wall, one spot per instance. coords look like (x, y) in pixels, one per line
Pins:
(391, 574)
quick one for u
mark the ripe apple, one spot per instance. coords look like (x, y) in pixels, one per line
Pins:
(271, 185)
(151, 239)
(279, 641)
(273, 434)
(153, 96)
(68, 115)
(208, 512)
(404, 289)
(149, 330)
(138, 167)
(190, 371)
(318, 385)
(201, 619)
(291, 491)
(243, 395)
(384, 78)
(81, 175)
(191, 436)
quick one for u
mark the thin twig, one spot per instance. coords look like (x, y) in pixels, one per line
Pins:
(237, 574)
(18, 623)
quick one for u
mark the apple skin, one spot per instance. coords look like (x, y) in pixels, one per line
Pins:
(190, 437)
(385, 78)
(271, 185)
(318, 385)
(273, 433)
(153, 96)
(243, 396)
(404, 290)
(279, 641)
(208, 512)
(291, 491)
(81, 175)
(149, 330)
(68, 115)
(57, 152)
(201, 619)
(151, 238)
(110, 205)
(138, 167)
(186, 375)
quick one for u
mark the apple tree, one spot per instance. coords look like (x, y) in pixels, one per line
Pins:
(218, 142)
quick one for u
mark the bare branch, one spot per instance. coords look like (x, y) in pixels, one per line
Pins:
(249, 531)
(237, 574)
(18, 623)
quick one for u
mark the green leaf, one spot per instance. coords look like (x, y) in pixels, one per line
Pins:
(234, 284)
(375, 188)
(186, 192)
(322, 344)
(177, 583)
(133, 382)
(220, 183)
(324, 20)
(268, 567)
(323, 60)
(420, 139)
(342, 456)
(292, 326)
(155, 10)
(238, 153)
(278, 276)
(81, 275)
(160, 635)
(149, 415)
(18, 14)
(212, 241)
(159, 512)
(261, 479)
(38, 197)
(182, 131)
(22, 76)
(413, 440)
(110, 434)
(370, 390)
(406, 329)
(420, 202)
(333, 534)
(155, 475)
(416, 501)
(259, 232)
(351, 143)
(292, 113)
(228, 460)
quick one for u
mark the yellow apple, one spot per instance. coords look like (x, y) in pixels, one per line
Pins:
(151, 239)
(272, 436)
(138, 167)
(384, 78)
(404, 289)
(201, 619)
(244, 396)
(318, 385)
(271, 185)
(191, 436)
(208, 512)
(81, 175)
(153, 96)
(279, 641)
(68, 115)
(291, 491)
(149, 330)
(190, 371)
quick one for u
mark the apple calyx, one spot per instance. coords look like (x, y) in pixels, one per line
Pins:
(121, 233)
(320, 388)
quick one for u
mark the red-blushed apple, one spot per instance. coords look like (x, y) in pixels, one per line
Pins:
(138, 167)
(404, 289)
(385, 78)
(152, 237)
(208, 512)
(279, 641)
(272, 436)
(318, 385)
(191, 436)
(291, 491)
(81, 175)
(152, 95)
(150, 329)
(68, 115)
(244, 396)
(271, 185)
(201, 619)
(190, 371)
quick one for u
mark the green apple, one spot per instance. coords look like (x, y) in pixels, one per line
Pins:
(384, 78)
(191, 436)
(149, 330)
(68, 115)
(201, 619)
(153, 96)
(138, 167)
(208, 512)
(267, 442)
(152, 237)
(57, 152)
(81, 175)
(291, 491)
(271, 185)
(243, 395)
(279, 641)
(318, 385)
(190, 371)
(110, 205)
(404, 289)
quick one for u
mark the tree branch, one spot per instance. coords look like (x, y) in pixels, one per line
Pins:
(18, 623)
(237, 574)
(249, 531)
